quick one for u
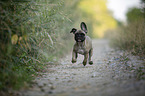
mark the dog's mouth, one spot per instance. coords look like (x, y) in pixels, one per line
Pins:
(79, 40)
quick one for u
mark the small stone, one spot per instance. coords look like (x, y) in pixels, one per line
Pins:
(92, 76)
(40, 85)
(52, 87)
(69, 80)
(76, 88)
(50, 92)
(45, 84)
(42, 90)
(74, 74)
(56, 78)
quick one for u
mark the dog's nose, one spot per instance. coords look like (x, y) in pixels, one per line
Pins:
(79, 37)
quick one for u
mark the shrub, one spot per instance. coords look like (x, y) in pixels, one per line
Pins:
(131, 36)
(32, 34)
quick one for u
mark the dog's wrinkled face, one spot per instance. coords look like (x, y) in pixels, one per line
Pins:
(80, 34)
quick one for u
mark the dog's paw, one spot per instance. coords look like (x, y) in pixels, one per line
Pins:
(74, 61)
(84, 63)
(90, 62)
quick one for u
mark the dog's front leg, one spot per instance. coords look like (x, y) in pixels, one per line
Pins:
(90, 55)
(85, 59)
(74, 57)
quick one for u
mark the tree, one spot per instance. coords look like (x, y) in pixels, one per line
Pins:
(134, 14)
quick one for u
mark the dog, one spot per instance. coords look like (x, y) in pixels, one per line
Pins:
(83, 44)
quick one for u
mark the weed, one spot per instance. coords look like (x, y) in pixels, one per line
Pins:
(140, 73)
(32, 33)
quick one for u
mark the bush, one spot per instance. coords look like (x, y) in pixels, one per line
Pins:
(131, 36)
(32, 34)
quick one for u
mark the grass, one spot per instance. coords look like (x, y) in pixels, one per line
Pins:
(140, 73)
(130, 37)
(32, 34)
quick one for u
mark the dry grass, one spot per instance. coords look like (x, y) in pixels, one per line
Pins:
(130, 37)
(32, 34)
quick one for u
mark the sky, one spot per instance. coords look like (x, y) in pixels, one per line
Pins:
(120, 7)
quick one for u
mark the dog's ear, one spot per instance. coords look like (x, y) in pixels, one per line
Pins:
(84, 27)
(73, 30)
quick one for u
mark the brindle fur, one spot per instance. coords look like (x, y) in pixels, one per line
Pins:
(84, 48)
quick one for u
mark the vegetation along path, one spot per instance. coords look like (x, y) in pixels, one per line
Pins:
(114, 73)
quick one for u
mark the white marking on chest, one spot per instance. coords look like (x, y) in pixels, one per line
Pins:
(81, 50)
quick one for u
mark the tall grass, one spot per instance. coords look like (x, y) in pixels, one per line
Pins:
(131, 37)
(32, 34)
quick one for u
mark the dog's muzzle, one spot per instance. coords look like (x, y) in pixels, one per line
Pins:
(79, 37)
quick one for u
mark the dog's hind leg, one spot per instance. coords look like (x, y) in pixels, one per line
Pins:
(90, 55)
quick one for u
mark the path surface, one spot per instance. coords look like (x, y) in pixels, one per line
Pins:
(114, 73)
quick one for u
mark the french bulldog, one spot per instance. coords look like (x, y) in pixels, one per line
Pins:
(83, 44)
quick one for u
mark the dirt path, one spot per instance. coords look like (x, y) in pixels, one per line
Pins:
(114, 73)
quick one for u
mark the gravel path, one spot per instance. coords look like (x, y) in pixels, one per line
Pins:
(114, 73)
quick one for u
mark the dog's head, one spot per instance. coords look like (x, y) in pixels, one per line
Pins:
(80, 34)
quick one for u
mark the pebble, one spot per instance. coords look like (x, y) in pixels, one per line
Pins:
(42, 89)
(52, 87)
(40, 84)
(50, 92)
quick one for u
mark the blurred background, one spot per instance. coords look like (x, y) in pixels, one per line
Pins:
(34, 33)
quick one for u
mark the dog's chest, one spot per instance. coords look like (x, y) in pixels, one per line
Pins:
(81, 50)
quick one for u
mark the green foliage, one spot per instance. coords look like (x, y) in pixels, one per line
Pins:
(143, 7)
(36, 32)
(131, 36)
(97, 16)
(134, 14)
(140, 73)
(32, 33)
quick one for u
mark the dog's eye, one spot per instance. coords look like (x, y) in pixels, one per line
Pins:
(79, 34)
(82, 34)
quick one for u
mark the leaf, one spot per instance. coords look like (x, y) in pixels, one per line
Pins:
(14, 39)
